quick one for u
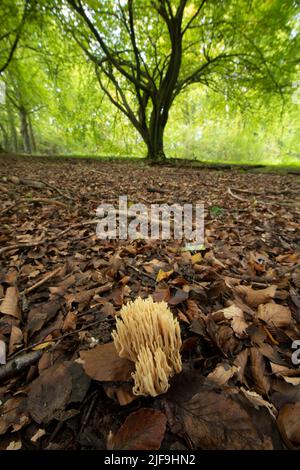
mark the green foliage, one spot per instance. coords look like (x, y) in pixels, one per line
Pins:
(241, 108)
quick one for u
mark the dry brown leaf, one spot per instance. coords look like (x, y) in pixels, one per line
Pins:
(238, 323)
(39, 433)
(214, 420)
(222, 373)
(105, 365)
(240, 362)
(70, 321)
(2, 352)
(261, 379)
(275, 315)
(13, 414)
(255, 297)
(282, 370)
(10, 304)
(16, 339)
(289, 422)
(180, 296)
(193, 311)
(121, 393)
(161, 275)
(54, 389)
(142, 430)
(257, 400)
(14, 445)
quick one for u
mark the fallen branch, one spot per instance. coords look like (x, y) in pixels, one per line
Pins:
(38, 185)
(18, 364)
(41, 281)
(17, 246)
(44, 200)
(55, 340)
(235, 196)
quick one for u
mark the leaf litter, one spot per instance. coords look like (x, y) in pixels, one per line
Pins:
(62, 383)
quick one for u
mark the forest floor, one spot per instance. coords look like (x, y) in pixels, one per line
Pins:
(237, 300)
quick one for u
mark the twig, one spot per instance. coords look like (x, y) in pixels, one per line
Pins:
(8, 208)
(235, 196)
(41, 281)
(59, 338)
(47, 239)
(18, 364)
(142, 273)
(44, 200)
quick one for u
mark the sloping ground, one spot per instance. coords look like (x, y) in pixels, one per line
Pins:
(237, 300)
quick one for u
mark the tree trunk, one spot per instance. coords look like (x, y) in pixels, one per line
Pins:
(32, 137)
(155, 149)
(25, 130)
(13, 141)
(5, 139)
(155, 137)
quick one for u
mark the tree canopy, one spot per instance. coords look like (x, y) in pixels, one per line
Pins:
(140, 56)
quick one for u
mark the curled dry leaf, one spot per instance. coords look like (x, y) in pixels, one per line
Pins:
(275, 315)
(39, 433)
(13, 414)
(180, 296)
(122, 393)
(255, 297)
(289, 422)
(257, 400)
(240, 362)
(16, 339)
(161, 275)
(104, 364)
(193, 311)
(142, 430)
(222, 373)
(260, 375)
(291, 376)
(2, 352)
(238, 323)
(215, 420)
(14, 445)
(56, 387)
(10, 304)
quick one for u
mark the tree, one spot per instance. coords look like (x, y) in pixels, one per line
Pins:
(13, 16)
(146, 52)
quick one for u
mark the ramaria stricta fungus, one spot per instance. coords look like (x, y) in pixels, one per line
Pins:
(148, 334)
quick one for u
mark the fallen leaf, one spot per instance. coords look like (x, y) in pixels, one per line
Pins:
(13, 414)
(222, 373)
(70, 321)
(275, 315)
(193, 311)
(256, 297)
(180, 296)
(56, 387)
(14, 445)
(238, 323)
(289, 422)
(215, 420)
(261, 379)
(122, 393)
(142, 430)
(240, 361)
(10, 304)
(16, 339)
(2, 352)
(103, 363)
(161, 275)
(40, 433)
(257, 400)
(196, 258)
